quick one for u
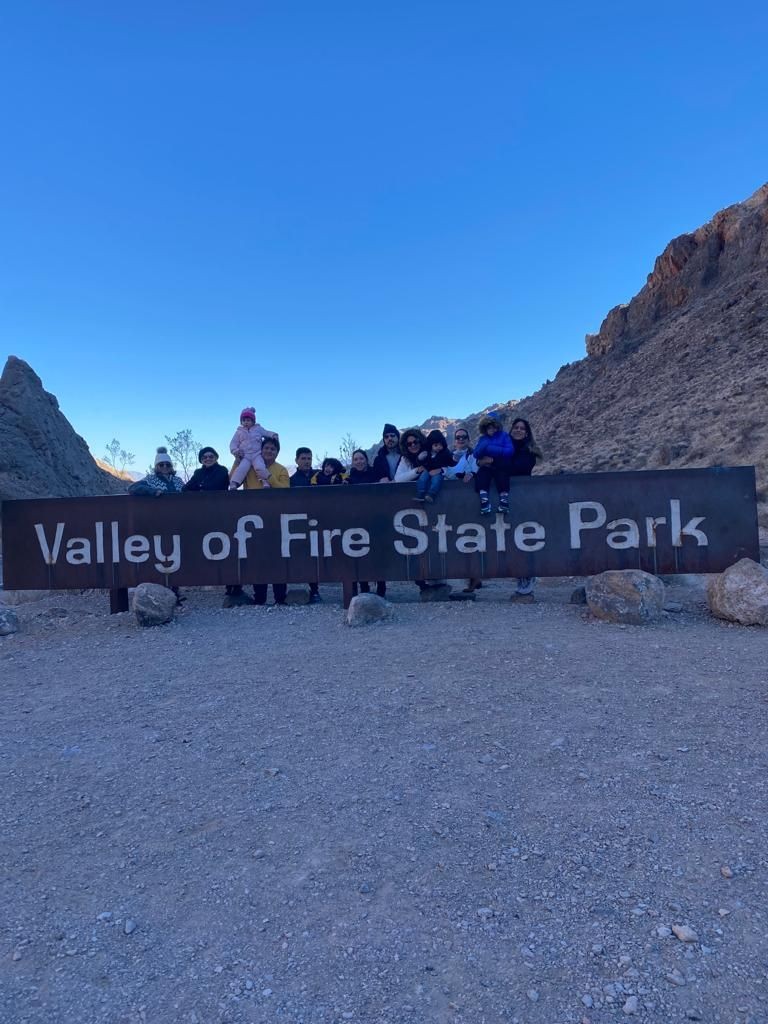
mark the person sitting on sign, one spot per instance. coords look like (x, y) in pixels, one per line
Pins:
(246, 446)
(437, 460)
(464, 464)
(412, 445)
(331, 472)
(493, 454)
(163, 481)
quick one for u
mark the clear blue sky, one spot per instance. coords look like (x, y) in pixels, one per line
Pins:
(348, 212)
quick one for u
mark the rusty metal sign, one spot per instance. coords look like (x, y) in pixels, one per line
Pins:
(665, 521)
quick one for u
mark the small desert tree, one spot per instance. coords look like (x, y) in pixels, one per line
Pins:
(117, 457)
(182, 448)
(347, 445)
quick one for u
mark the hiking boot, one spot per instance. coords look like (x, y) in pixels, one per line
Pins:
(429, 498)
(485, 507)
(503, 506)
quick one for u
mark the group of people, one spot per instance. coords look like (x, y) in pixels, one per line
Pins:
(411, 456)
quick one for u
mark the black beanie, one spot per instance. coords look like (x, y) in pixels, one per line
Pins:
(205, 451)
(390, 428)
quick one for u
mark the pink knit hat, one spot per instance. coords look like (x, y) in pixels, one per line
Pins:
(250, 412)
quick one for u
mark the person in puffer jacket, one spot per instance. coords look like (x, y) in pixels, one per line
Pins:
(162, 481)
(493, 454)
(436, 460)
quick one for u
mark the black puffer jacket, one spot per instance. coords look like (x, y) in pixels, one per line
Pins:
(437, 460)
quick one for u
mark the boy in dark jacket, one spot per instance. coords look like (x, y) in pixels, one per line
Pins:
(435, 459)
(303, 477)
(493, 453)
(304, 472)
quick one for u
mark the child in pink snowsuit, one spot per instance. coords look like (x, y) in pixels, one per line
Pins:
(246, 446)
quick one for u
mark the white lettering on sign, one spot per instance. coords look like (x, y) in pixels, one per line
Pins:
(356, 543)
(287, 536)
(624, 534)
(470, 538)
(651, 522)
(442, 529)
(689, 530)
(421, 538)
(242, 533)
(500, 527)
(173, 557)
(79, 551)
(529, 536)
(136, 548)
(219, 538)
(49, 556)
(577, 521)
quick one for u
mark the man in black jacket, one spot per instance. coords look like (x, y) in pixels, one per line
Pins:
(385, 463)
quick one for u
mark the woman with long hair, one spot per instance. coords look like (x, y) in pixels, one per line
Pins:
(527, 453)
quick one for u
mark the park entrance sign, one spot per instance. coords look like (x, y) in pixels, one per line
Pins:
(666, 521)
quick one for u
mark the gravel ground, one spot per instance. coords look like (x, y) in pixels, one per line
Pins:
(473, 813)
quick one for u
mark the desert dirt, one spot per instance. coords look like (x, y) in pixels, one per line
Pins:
(471, 813)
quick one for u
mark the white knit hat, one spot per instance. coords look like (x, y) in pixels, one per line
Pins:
(162, 456)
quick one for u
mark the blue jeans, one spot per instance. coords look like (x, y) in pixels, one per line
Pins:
(429, 484)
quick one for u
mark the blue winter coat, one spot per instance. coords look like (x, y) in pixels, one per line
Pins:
(500, 447)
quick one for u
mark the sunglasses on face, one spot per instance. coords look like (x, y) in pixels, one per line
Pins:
(390, 435)
(166, 464)
(462, 437)
(413, 443)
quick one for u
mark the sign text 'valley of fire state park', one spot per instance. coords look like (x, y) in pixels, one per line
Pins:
(665, 521)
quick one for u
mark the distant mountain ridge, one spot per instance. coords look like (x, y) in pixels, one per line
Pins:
(678, 376)
(41, 456)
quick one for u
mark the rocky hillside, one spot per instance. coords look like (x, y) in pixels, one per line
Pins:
(41, 456)
(679, 376)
